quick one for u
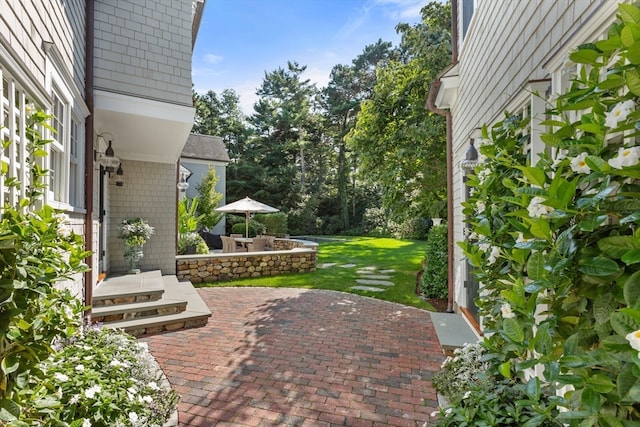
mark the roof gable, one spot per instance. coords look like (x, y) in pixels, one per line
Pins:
(205, 147)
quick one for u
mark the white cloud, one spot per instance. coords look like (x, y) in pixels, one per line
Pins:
(211, 58)
(401, 10)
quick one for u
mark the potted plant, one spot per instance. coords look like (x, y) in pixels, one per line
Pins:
(135, 232)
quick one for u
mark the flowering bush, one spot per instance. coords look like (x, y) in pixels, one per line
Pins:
(457, 373)
(103, 378)
(556, 243)
(135, 231)
(37, 252)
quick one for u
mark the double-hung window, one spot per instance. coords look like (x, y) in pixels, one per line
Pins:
(66, 150)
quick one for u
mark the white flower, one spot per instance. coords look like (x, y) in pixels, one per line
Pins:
(467, 394)
(435, 414)
(484, 246)
(79, 368)
(536, 209)
(507, 312)
(91, 391)
(116, 362)
(634, 339)
(147, 399)
(133, 417)
(560, 156)
(74, 399)
(86, 422)
(619, 113)
(60, 377)
(144, 346)
(480, 206)
(493, 256)
(153, 386)
(64, 228)
(448, 411)
(627, 156)
(579, 165)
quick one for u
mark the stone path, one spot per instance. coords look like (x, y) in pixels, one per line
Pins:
(371, 279)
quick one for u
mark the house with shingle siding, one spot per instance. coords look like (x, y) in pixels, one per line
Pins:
(113, 74)
(507, 56)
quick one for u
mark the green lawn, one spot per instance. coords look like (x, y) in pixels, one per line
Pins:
(402, 256)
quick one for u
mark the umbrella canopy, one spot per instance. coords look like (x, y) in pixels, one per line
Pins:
(246, 206)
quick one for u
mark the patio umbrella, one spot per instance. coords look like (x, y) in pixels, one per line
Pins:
(246, 206)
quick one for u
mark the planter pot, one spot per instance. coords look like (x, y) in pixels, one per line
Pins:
(133, 255)
(189, 250)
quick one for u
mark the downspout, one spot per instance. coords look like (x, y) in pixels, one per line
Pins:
(88, 158)
(433, 93)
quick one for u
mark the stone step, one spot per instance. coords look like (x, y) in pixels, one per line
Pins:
(194, 312)
(114, 313)
(453, 331)
(129, 289)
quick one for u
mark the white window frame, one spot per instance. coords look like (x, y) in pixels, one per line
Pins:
(66, 151)
(15, 103)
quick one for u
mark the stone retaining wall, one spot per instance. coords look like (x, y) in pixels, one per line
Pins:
(220, 267)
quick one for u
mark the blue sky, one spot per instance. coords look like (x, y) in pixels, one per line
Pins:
(239, 40)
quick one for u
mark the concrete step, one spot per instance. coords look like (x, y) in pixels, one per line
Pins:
(453, 331)
(113, 313)
(129, 289)
(159, 316)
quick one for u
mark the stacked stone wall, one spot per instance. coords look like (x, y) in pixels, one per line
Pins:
(223, 267)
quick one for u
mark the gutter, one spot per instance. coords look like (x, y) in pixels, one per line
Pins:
(431, 97)
(88, 158)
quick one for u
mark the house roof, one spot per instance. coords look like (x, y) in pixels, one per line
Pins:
(205, 147)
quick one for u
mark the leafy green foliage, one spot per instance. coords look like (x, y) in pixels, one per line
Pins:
(555, 243)
(105, 377)
(400, 144)
(436, 270)
(274, 223)
(209, 198)
(38, 251)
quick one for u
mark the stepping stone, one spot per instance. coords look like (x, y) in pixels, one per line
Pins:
(386, 271)
(348, 265)
(374, 282)
(370, 268)
(367, 288)
(327, 265)
(375, 276)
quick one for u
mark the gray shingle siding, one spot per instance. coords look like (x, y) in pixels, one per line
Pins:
(140, 51)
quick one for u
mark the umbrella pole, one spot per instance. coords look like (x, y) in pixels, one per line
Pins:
(246, 225)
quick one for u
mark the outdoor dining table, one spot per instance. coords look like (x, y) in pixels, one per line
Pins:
(244, 241)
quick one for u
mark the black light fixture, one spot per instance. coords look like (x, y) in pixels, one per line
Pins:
(119, 178)
(471, 158)
(108, 159)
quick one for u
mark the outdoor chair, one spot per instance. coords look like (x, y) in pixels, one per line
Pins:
(270, 242)
(228, 244)
(258, 244)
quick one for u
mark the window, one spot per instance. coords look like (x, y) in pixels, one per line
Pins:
(57, 150)
(66, 151)
(15, 102)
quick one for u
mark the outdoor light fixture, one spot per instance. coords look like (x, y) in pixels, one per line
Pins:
(471, 158)
(182, 184)
(119, 178)
(108, 159)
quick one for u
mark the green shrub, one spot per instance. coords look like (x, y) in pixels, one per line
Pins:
(555, 241)
(38, 252)
(103, 378)
(255, 228)
(436, 272)
(275, 223)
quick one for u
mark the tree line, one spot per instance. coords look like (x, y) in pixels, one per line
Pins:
(361, 155)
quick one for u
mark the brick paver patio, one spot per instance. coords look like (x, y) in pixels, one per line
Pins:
(278, 357)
